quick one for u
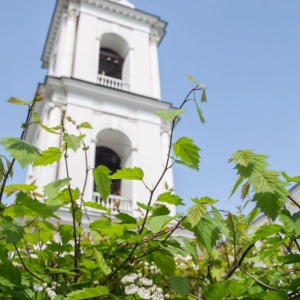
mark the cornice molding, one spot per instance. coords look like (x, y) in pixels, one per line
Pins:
(98, 93)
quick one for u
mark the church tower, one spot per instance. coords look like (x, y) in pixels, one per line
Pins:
(103, 68)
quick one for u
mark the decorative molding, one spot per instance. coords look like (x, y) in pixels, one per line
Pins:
(154, 39)
(71, 15)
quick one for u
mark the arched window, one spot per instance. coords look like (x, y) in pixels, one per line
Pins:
(107, 157)
(110, 63)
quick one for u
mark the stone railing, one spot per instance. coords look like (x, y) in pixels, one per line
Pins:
(114, 203)
(112, 82)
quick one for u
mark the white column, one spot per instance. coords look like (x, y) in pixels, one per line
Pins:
(131, 70)
(69, 43)
(155, 80)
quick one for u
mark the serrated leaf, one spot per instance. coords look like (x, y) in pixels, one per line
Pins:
(191, 247)
(164, 261)
(180, 285)
(103, 181)
(170, 198)
(160, 210)
(2, 169)
(14, 100)
(34, 207)
(52, 189)
(264, 181)
(180, 162)
(10, 273)
(200, 113)
(207, 232)
(187, 151)
(219, 291)
(54, 271)
(66, 233)
(72, 141)
(195, 213)
(158, 223)
(103, 266)
(170, 115)
(220, 222)
(85, 125)
(265, 231)
(12, 231)
(144, 206)
(236, 185)
(242, 157)
(88, 293)
(49, 156)
(10, 189)
(22, 151)
(129, 174)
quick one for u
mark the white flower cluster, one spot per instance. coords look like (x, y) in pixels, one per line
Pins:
(143, 287)
(50, 291)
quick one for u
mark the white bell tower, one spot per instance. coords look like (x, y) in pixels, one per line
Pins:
(103, 69)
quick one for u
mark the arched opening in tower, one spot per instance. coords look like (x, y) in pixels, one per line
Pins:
(110, 63)
(110, 159)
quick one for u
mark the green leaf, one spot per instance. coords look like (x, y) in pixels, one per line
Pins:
(180, 162)
(129, 174)
(48, 129)
(190, 78)
(103, 181)
(170, 198)
(54, 271)
(207, 232)
(88, 293)
(48, 157)
(187, 151)
(242, 157)
(52, 189)
(180, 285)
(265, 231)
(66, 233)
(236, 185)
(35, 207)
(200, 113)
(103, 266)
(160, 210)
(157, 223)
(291, 179)
(164, 261)
(85, 125)
(170, 115)
(72, 141)
(125, 218)
(144, 206)
(14, 100)
(195, 213)
(10, 189)
(10, 273)
(191, 247)
(203, 96)
(220, 291)
(22, 151)
(220, 222)
(12, 231)
(289, 258)
(264, 181)
(95, 205)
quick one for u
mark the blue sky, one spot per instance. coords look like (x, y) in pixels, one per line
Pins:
(247, 52)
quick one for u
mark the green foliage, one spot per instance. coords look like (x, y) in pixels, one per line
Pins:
(187, 151)
(102, 180)
(22, 151)
(206, 253)
(129, 174)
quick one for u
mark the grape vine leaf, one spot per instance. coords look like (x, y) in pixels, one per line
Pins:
(22, 151)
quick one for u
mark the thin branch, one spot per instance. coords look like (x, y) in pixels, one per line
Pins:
(257, 280)
(238, 264)
(24, 266)
(294, 201)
